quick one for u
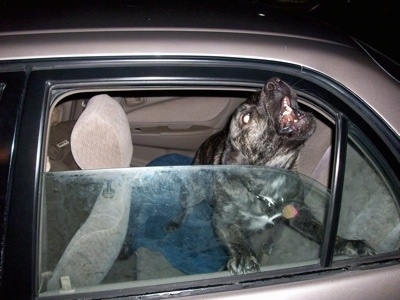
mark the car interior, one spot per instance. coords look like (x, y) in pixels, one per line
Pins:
(161, 127)
(177, 123)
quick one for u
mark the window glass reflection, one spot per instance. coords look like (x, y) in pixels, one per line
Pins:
(115, 223)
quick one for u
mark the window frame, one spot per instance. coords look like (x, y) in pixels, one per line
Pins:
(12, 90)
(50, 79)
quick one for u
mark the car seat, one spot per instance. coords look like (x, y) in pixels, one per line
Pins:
(100, 139)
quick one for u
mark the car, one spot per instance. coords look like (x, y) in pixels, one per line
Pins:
(103, 107)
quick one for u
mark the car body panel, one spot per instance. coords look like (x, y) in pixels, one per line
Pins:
(61, 40)
(367, 284)
(340, 62)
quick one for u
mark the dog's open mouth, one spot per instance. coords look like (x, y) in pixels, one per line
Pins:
(290, 119)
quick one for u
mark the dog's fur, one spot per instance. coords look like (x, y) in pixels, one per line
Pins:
(268, 129)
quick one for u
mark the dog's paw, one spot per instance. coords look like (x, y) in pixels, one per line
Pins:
(354, 248)
(242, 264)
(171, 226)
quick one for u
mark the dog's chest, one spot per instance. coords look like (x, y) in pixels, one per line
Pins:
(283, 160)
(259, 222)
(255, 200)
(259, 212)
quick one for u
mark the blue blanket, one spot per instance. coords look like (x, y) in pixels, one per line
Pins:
(194, 247)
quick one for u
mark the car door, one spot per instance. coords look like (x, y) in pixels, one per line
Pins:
(349, 136)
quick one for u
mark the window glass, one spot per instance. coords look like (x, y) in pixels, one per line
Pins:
(2, 86)
(105, 226)
(369, 210)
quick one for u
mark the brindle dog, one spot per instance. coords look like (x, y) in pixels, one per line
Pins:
(268, 129)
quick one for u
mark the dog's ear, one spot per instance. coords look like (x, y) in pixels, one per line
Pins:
(232, 155)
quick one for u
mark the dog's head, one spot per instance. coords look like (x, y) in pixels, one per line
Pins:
(280, 101)
(269, 128)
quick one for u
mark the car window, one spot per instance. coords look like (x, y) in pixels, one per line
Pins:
(369, 208)
(110, 226)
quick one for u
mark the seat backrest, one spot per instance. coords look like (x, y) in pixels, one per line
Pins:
(316, 155)
(100, 139)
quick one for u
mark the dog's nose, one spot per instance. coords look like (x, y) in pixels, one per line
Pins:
(274, 84)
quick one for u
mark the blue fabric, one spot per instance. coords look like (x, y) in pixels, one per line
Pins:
(193, 248)
(171, 160)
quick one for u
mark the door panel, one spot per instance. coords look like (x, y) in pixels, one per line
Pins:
(163, 125)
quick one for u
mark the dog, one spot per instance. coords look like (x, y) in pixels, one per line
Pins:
(267, 130)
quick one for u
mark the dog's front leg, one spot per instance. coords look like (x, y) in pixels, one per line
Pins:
(242, 260)
(186, 201)
(177, 221)
(309, 226)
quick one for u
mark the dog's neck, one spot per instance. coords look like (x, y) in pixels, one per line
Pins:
(284, 161)
(278, 159)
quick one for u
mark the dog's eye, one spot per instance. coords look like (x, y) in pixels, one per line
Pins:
(246, 118)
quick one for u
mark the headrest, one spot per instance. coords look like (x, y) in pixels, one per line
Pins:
(101, 137)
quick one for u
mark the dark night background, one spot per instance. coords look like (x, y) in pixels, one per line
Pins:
(376, 22)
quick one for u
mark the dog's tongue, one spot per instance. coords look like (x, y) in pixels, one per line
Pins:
(287, 116)
(290, 119)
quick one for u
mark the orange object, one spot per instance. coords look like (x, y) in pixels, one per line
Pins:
(289, 211)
